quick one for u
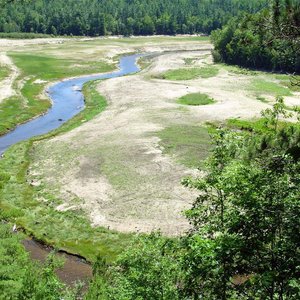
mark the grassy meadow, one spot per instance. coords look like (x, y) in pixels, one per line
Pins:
(190, 73)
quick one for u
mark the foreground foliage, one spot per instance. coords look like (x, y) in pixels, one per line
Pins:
(269, 39)
(22, 279)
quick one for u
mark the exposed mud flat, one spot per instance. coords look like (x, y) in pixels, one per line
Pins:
(75, 269)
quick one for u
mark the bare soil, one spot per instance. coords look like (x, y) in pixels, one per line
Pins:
(6, 85)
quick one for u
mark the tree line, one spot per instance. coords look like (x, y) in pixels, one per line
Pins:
(267, 40)
(121, 17)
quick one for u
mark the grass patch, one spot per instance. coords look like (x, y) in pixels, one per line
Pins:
(189, 61)
(190, 145)
(195, 99)
(190, 73)
(51, 68)
(257, 125)
(14, 111)
(261, 86)
(239, 70)
(4, 72)
(262, 99)
(289, 82)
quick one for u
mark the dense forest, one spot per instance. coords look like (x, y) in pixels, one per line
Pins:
(122, 17)
(269, 39)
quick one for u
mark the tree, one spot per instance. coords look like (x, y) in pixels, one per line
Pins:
(269, 39)
(246, 217)
(149, 269)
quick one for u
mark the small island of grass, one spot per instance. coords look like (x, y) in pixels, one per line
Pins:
(196, 99)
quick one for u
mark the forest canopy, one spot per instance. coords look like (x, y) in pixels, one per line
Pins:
(269, 39)
(122, 17)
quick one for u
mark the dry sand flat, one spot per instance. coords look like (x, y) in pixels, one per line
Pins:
(6, 85)
(113, 167)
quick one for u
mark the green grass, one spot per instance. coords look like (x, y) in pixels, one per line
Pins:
(190, 145)
(239, 70)
(195, 99)
(15, 110)
(262, 99)
(261, 86)
(247, 125)
(189, 61)
(51, 68)
(289, 82)
(70, 230)
(258, 125)
(190, 73)
(4, 72)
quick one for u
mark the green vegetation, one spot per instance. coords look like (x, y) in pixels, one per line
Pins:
(21, 278)
(266, 40)
(291, 84)
(148, 269)
(262, 99)
(264, 87)
(189, 61)
(136, 17)
(13, 112)
(51, 68)
(190, 73)
(195, 99)
(4, 72)
(182, 142)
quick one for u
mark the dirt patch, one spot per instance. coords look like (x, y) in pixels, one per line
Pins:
(6, 85)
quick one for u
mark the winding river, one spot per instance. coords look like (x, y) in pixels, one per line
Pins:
(67, 101)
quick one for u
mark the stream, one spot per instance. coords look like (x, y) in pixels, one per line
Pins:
(67, 101)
